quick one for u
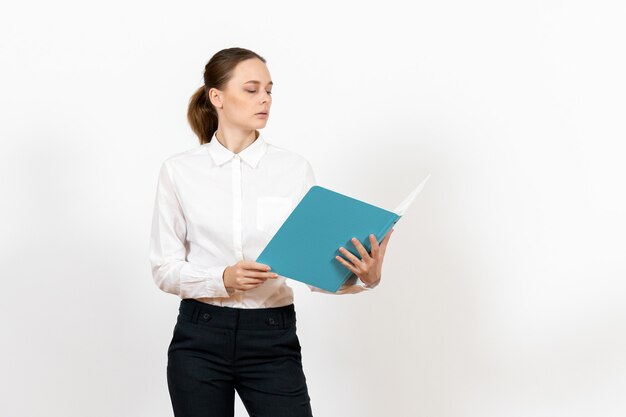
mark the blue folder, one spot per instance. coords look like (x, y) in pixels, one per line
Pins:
(305, 245)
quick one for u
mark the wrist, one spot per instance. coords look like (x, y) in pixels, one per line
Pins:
(226, 281)
(368, 284)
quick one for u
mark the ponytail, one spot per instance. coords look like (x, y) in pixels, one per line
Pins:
(202, 116)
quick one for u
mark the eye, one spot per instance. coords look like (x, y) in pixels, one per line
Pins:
(254, 91)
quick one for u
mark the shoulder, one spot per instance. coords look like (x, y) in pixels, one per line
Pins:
(286, 157)
(186, 154)
(183, 158)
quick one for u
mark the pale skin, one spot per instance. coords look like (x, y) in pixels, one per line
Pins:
(247, 93)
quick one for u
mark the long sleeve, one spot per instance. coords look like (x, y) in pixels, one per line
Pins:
(171, 271)
(353, 284)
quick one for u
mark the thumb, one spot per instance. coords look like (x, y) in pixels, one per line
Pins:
(383, 243)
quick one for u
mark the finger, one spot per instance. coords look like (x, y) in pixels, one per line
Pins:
(374, 244)
(383, 243)
(256, 266)
(360, 248)
(346, 264)
(263, 275)
(249, 287)
(254, 283)
(349, 255)
(253, 280)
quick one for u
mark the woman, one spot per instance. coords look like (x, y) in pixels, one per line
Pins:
(217, 205)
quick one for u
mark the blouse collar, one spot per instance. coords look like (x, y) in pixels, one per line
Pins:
(251, 155)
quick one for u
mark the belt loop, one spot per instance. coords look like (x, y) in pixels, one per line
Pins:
(291, 315)
(282, 322)
(196, 312)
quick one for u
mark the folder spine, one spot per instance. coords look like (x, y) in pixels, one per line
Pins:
(387, 227)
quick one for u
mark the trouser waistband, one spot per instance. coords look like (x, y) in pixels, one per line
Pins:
(242, 318)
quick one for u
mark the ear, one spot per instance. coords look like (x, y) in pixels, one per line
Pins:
(215, 97)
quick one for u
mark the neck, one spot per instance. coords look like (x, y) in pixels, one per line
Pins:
(235, 140)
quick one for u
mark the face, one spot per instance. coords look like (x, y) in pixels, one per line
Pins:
(247, 94)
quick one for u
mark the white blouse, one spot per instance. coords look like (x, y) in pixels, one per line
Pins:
(214, 208)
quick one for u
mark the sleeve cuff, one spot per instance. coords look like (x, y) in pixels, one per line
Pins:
(366, 286)
(202, 282)
(353, 285)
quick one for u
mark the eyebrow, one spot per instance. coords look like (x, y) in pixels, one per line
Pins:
(258, 82)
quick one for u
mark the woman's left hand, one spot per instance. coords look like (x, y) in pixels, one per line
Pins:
(369, 267)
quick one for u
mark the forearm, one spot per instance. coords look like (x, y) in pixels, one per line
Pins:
(189, 280)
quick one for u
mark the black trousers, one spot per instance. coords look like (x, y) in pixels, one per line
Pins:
(217, 350)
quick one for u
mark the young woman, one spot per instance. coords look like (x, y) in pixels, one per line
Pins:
(217, 205)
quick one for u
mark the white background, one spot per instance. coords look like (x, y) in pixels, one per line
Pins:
(503, 286)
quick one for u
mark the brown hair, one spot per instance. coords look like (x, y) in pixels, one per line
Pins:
(201, 114)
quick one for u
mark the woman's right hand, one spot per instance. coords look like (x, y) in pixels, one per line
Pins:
(246, 275)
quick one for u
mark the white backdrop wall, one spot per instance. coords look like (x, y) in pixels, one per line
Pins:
(503, 286)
